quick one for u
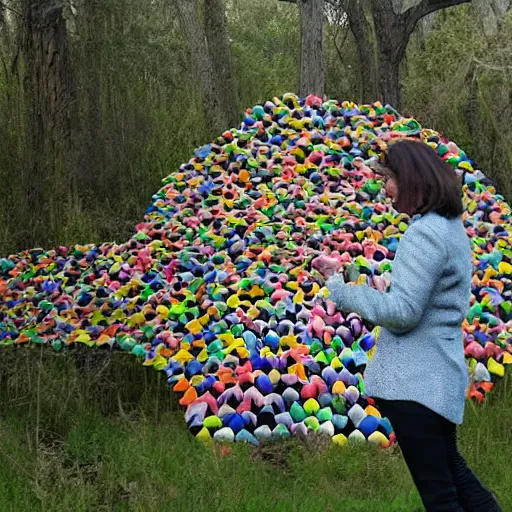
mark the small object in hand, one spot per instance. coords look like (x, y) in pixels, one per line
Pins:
(352, 272)
(327, 265)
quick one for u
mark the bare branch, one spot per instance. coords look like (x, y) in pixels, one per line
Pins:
(339, 48)
(481, 64)
(415, 13)
(332, 3)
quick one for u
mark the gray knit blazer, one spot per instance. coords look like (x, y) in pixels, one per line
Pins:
(420, 351)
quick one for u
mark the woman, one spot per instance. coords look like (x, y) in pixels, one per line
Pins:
(418, 375)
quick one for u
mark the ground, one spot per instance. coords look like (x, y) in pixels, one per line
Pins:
(99, 432)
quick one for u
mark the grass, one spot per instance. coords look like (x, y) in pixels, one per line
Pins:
(85, 431)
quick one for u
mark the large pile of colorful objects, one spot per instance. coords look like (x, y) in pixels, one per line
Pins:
(216, 287)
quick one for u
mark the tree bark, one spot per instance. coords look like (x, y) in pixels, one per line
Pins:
(194, 31)
(50, 88)
(311, 70)
(362, 33)
(93, 143)
(219, 49)
(389, 82)
(393, 32)
(392, 38)
(312, 74)
(425, 7)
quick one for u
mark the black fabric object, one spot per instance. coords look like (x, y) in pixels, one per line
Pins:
(429, 446)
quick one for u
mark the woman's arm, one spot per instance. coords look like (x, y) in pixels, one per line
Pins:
(417, 266)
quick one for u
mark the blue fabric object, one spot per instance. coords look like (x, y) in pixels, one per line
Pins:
(369, 425)
(386, 424)
(420, 352)
(264, 384)
(234, 421)
(339, 421)
(244, 435)
(193, 368)
(324, 399)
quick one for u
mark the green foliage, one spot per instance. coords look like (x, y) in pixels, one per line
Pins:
(139, 107)
(139, 115)
(445, 88)
(341, 64)
(266, 49)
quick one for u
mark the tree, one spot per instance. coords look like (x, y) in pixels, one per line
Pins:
(491, 13)
(381, 32)
(392, 31)
(211, 56)
(219, 48)
(312, 75)
(50, 89)
(362, 31)
(311, 71)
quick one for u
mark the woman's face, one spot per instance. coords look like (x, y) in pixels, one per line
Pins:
(391, 187)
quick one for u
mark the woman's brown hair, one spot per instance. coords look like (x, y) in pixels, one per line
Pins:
(424, 181)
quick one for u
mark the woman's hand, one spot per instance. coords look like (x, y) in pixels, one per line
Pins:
(327, 265)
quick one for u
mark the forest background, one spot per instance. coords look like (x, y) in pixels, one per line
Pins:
(101, 99)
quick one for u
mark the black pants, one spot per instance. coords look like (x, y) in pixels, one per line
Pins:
(429, 446)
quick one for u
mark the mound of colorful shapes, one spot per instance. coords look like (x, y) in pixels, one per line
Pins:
(216, 287)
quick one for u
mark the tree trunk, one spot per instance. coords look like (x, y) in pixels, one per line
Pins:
(380, 56)
(93, 144)
(50, 88)
(392, 35)
(312, 75)
(389, 82)
(393, 31)
(365, 45)
(219, 48)
(194, 31)
(5, 45)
